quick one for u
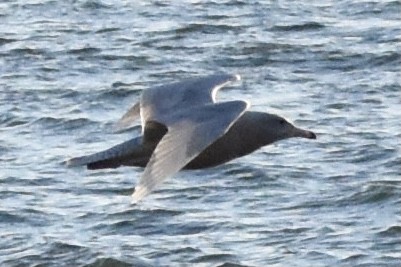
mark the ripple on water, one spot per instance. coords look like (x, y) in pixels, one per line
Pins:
(307, 26)
(372, 193)
(53, 124)
(112, 262)
(12, 120)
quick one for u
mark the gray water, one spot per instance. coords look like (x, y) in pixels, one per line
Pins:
(70, 69)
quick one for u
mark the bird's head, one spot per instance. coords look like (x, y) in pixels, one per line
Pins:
(277, 128)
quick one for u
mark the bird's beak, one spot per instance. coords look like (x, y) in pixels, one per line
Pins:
(298, 132)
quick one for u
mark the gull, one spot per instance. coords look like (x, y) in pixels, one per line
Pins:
(184, 127)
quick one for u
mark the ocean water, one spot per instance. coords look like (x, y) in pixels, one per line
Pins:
(70, 69)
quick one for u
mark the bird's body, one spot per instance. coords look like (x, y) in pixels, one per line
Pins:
(184, 128)
(237, 142)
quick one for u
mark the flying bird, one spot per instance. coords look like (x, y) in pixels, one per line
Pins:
(183, 127)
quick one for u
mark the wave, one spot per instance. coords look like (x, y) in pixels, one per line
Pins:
(379, 192)
(307, 26)
(113, 262)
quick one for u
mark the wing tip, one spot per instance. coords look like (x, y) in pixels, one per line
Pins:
(247, 104)
(237, 77)
(139, 193)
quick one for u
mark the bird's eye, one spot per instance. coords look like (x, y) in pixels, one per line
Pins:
(282, 121)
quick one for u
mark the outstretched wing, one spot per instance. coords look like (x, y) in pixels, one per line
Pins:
(166, 99)
(189, 133)
(160, 103)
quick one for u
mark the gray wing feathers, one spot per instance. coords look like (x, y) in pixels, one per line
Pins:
(185, 139)
(156, 102)
(160, 102)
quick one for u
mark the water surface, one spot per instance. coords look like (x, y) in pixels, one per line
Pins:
(70, 69)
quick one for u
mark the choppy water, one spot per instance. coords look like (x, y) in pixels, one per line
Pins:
(69, 69)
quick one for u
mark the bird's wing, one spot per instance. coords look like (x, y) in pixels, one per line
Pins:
(128, 119)
(166, 99)
(159, 103)
(188, 135)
